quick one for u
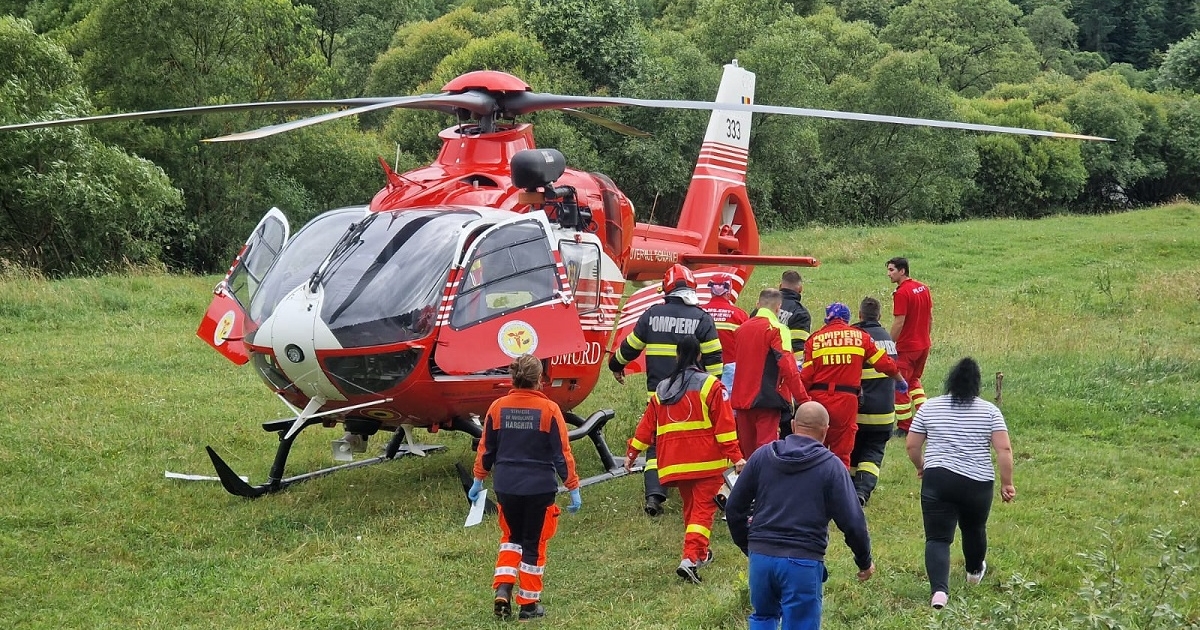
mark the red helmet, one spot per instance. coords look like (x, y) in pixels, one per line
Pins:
(678, 277)
(720, 284)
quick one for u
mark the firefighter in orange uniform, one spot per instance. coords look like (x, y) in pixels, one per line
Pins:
(525, 444)
(690, 419)
(834, 358)
(727, 316)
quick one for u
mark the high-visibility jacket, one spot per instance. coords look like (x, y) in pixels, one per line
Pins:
(525, 444)
(658, 332)
(835, 355)
(766, 372)
(793, 315)
(691, 423)
(877, 405)
(727, 317)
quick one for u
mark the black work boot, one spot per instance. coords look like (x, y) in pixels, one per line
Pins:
(531, 611)
(654, 505)
(503, 607)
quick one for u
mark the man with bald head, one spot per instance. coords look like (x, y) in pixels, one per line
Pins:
(796, 486)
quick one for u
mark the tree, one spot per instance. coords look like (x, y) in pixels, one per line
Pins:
(600, 38)
(69, 203)
(723, 28)
(1181, 68)
(1054, 36)
(977, 43)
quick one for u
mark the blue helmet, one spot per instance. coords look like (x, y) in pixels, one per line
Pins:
(837, 310)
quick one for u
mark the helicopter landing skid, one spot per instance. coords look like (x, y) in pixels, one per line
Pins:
(396, 448)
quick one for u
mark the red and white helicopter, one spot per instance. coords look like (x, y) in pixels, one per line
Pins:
(403, 314)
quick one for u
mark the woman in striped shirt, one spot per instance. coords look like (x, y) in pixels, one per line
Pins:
(957, 432)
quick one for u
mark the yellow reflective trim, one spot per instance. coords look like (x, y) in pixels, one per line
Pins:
(726, 326)
(693, 528)
(634, 342)
(638, 444)
(651, 464)
(903, 416)
(839, 350)
(806, 364)
(706, 389)
(710, 346)
(714, 370)
(726, 437)
(716, 464)
(879, 352)
(660, 349)
(917, 390)
(876, 418)
(868, 467)
(869, 373)
(801, 334)
(691, 425)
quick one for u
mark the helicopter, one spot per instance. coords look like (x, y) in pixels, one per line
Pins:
(404, 313)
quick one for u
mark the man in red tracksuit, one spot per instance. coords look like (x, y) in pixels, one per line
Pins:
(766, 375)
(834, 358)
(727, 316)
(912, 311)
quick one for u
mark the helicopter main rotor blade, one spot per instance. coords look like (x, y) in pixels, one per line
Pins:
(203, 109)
(526, 102)
(474, 102)
(607, 123)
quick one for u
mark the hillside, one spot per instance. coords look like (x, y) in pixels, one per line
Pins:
(1092, 319)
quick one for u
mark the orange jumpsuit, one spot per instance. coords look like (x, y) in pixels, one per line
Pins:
(834, 357)
(690, 419)
(525, 445)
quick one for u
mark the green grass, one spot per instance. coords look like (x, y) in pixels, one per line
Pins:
(1093, 320)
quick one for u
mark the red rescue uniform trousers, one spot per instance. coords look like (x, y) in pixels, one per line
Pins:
(756, 427)
(843, 420)
(912, 368)
(527, 523)
(698, 512)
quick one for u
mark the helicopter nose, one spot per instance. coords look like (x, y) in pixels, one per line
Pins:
(296, 331)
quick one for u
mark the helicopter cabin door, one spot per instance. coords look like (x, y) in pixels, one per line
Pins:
(509, 297)
(225, 323)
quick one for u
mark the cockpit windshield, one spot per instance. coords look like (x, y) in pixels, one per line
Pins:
(388, 287)
(300, 258)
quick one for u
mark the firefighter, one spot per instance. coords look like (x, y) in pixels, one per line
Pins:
(727, 317)
(834, 358)
(658, 331)
(792, 313)
(767, 384)
(690, 422)
(912, 310)
(876, 407)
(525, 443)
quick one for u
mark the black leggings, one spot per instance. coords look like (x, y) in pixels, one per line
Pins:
(949, 499)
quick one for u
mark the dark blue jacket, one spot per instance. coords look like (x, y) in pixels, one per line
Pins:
(796, 486)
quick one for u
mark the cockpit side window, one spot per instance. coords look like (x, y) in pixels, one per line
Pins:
(510, 268)
(582, 261)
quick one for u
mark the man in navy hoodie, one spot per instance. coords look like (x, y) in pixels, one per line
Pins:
(795, 486)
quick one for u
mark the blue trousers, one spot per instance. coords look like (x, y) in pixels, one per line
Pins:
(787, 590)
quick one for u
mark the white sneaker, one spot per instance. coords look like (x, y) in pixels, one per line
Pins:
(976, 578)
(939, 600)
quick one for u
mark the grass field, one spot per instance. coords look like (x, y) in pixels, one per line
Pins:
(1094, 321)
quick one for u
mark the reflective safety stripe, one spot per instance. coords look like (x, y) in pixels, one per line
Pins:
(839, 350)
(876, 418)
(868, 373)
(726, 437)
(710, 346)
(879, 352)
(726, 326)
(510, 547)
(714, 370)
(868, 467)
(675, 427)
(534, 595)
(506, 571)
(675, 469)
(651, 464)
(638, 444)
(706, 389)
(806, 364)
(799, 335)
(532, 569)
(661, 350)
(693, 528)
(634, 342)
(853, 469)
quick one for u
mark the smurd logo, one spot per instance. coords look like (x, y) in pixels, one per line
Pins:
(224, 327)
(516, 338)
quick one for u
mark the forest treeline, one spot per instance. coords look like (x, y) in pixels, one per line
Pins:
(86, 199)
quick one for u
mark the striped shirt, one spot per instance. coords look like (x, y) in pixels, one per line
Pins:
(959, 438)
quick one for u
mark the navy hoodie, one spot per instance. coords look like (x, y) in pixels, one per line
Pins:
(796, 486)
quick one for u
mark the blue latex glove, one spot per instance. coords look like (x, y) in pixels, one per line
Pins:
(902, 387)
(576, 501)
(476, 488)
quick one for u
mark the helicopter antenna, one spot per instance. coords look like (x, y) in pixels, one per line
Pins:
(653, 206)
(396, 171)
